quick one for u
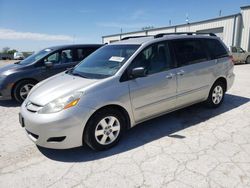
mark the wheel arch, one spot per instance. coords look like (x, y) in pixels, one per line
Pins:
(223, 80)
(17, 82)
(121, 109)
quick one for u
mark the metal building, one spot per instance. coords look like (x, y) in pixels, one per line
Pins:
(234, 29)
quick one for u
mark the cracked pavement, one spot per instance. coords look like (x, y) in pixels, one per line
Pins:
(192, 147)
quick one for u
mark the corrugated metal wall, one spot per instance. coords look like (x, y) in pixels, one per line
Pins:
(245, 39)
(236, 29)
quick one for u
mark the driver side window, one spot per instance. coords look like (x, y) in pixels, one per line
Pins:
(155, 58)
(54, 58)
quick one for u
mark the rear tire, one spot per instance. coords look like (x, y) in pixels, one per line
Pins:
(216, 95)
(248, 60)
(104, 129)
(22, 89)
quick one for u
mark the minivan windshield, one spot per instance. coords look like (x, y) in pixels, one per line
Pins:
(105, 62)
(35, 57)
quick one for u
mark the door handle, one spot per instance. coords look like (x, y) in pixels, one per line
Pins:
(181, 73)
(170, 76)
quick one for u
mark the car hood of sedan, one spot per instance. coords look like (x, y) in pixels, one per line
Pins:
(58, 86)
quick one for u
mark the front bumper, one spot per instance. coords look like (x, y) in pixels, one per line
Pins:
(5, 93)
(60, 130)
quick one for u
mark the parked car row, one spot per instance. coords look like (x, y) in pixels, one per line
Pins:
(15, 56)
(115, 88)
(6, 56)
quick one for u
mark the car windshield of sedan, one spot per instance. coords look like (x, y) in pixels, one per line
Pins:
(105, 62)
(35, 57)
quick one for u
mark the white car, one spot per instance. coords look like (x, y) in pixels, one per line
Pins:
(240, 55)
(18, 56)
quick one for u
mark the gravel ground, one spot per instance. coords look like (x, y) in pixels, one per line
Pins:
(193, 147)
(6, 62)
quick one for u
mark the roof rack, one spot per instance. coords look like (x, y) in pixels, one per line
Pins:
(133, 37)
(184, 33)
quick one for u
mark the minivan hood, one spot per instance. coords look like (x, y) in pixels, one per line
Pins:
(58, 86)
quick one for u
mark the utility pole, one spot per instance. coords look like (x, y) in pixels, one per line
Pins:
(121, 34)
(187, 18)
(220, 12)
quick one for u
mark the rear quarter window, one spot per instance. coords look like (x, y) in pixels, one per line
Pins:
(216, 49)
(189, 51)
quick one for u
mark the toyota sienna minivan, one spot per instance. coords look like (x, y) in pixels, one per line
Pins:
(123, 84)
(16, 80)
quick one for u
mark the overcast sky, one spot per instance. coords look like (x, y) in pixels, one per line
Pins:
(32, 25)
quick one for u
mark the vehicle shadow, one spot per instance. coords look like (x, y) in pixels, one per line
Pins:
(9, 103)
(164, 126)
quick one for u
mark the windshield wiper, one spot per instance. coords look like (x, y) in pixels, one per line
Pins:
(76, 74)
(17, 62)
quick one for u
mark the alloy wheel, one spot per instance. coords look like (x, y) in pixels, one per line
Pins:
(217, 94)
(24, 91)
(107, 130)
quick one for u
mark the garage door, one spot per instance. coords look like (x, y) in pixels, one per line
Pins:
(218, 31)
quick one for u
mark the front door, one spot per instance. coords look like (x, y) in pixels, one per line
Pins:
(61, 60)
(155, 93)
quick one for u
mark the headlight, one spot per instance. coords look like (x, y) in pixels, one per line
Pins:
(61, 103)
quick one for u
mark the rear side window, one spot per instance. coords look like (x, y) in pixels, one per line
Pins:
(216, 49)
(189, 51)
(82, 53)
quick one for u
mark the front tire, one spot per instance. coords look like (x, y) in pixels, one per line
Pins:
(22, 89)
(104, 129)
(216, 95)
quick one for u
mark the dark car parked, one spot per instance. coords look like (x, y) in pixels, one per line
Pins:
(16, 80)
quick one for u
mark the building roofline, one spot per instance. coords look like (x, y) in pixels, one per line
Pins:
(169, 27)
(245, 7)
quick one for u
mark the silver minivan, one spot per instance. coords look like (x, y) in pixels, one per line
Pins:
(123, 84)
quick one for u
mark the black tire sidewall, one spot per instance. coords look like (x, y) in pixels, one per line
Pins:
(209, 101)
(248, 60)
(17, 88)
(89, 133)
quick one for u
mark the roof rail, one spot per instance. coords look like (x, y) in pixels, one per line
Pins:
(133, 37)
(184, 33)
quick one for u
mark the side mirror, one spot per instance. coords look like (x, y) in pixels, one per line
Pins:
(48, 64)
(138, 72)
